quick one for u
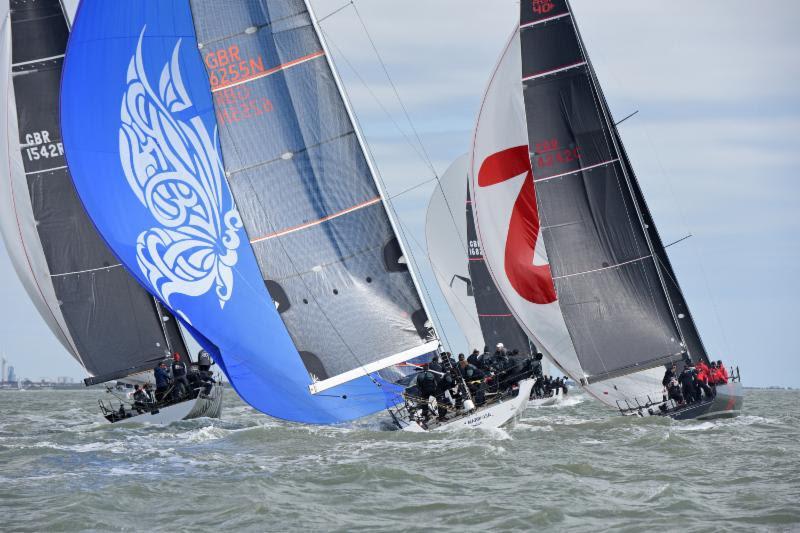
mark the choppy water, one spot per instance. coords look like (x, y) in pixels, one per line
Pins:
(575, 466)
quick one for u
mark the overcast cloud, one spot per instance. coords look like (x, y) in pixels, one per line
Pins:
(715, 146)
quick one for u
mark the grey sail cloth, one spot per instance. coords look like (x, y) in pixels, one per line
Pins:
(315, 218)
(608, 281)
(111, 321)
(497, 323)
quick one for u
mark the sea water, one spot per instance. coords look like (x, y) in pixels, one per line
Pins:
(573, 466)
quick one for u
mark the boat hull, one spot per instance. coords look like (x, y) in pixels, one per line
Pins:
(209, 406)
(543, 402)
(494, 416)
(727, 403)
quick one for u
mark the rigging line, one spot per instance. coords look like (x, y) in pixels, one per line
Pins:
(408, 140)
(332, 13)
(423, 156)
(679, 240)
(437, 270)
(417, 186)
(406, 137)
(394, 87)
(681, 212)
(390, 207)
(374, 172)
(626, 118)
(696, 248)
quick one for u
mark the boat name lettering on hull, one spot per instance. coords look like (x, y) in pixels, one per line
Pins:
(477, 419)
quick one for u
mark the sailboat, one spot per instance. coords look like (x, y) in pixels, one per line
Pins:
(98, 312)
(457, 261)
(565, 229)
(217, 154)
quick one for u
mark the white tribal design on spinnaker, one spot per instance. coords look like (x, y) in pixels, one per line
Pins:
(173, 167)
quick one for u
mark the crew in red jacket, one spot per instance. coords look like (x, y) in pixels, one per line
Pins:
(703, 374)
(721, 374)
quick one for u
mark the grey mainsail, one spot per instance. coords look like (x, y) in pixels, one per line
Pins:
(323, 236)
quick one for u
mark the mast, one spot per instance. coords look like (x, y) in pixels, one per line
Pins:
(388, 206)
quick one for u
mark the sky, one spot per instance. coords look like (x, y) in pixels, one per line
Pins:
(715, 145)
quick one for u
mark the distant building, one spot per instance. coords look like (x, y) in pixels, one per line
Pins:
(12, 376)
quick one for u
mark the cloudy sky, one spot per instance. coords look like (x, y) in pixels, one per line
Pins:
(716, 147)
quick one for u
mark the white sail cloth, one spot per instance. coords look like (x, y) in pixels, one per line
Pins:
(446, 235)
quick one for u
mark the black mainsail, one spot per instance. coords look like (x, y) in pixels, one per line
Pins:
(99, 312)
(604, 255)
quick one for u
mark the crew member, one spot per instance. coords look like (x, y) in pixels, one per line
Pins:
(162, 381)
(434, 365)
(687, 379)
(671, 373)
(474, 357)
(722, 374)
(703, 375)
(180, 381)
(140, 399)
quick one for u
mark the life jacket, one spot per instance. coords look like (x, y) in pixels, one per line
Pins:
(427, 383)
(723, 374)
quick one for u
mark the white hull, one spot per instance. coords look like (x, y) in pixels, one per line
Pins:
(203, 406)
(494, 416)
(543, 402)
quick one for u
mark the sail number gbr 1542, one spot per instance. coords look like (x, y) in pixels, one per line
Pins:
(38, 145)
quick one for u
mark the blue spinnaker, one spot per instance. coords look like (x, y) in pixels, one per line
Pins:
(140, 134)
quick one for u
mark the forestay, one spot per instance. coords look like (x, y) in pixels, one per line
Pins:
(180, 181)
(93, 306)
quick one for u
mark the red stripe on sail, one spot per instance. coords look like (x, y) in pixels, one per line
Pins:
(532, 282)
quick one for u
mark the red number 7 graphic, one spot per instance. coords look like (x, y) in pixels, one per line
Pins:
(532, 282)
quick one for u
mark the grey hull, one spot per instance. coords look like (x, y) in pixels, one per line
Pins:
(727, 403)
